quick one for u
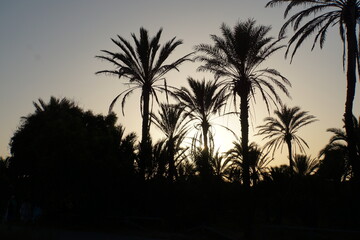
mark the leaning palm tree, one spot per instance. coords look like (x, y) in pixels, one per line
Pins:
(171, 121)
(235, 57)
(283, 129)
(144, 66)
(201, 102)
(325, 14)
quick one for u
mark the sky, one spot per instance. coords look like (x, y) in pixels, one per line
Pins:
(48, 48)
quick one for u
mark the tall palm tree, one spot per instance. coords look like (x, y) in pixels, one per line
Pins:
(144, 66)
(201, 102)
(236, 57)
(171, 121)
(284, 128)
(325, 14)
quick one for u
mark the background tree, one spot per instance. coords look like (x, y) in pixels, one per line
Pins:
(236, 57)
(284, 128)
(278, 174)
(305, 165)
(325, 14)
(201, 102)
(221, 165)
(5, 184)
(144, 65)
(336, 163)
(127, 153)
(171, 121)
(257, 161)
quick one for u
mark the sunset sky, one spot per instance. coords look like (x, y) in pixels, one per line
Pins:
(48, 48)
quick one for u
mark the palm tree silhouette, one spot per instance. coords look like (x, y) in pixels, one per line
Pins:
(201, 102)
(221, 165)
(284, 128)
(327, 13)
(304, 165)
(340, 138)
(171, 121)
(338, 143)
(236, 57)
(258, 161)
(144, 66)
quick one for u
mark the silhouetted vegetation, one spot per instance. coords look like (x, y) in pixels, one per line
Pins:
(76, 169)
(235, 58)
(283, 129)
(68, 160)
(325, 14)
(144, 66)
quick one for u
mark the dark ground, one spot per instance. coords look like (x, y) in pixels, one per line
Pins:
(199, 233)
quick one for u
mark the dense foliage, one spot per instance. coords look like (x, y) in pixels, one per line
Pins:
(64, 157)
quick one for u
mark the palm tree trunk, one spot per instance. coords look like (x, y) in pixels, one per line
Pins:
(244, 121)
(171, 159)
(289, 145)
(248, 200)
(205, 159)
(145, 147)
(205, 129)
(350, 90)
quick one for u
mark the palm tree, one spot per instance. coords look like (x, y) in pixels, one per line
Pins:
(220, 165)
(171, 121)
(257, 161)
(340, 139)
(327, 13)
(236, 57)
(284, 128)
(201, 102)
(338, 145)
(144, 65)
(304, 165)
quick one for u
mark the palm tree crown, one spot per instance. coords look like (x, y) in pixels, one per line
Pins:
(236, 57)
(340, 12)
(283, 129)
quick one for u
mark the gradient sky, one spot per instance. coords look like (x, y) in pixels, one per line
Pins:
(47, 48)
